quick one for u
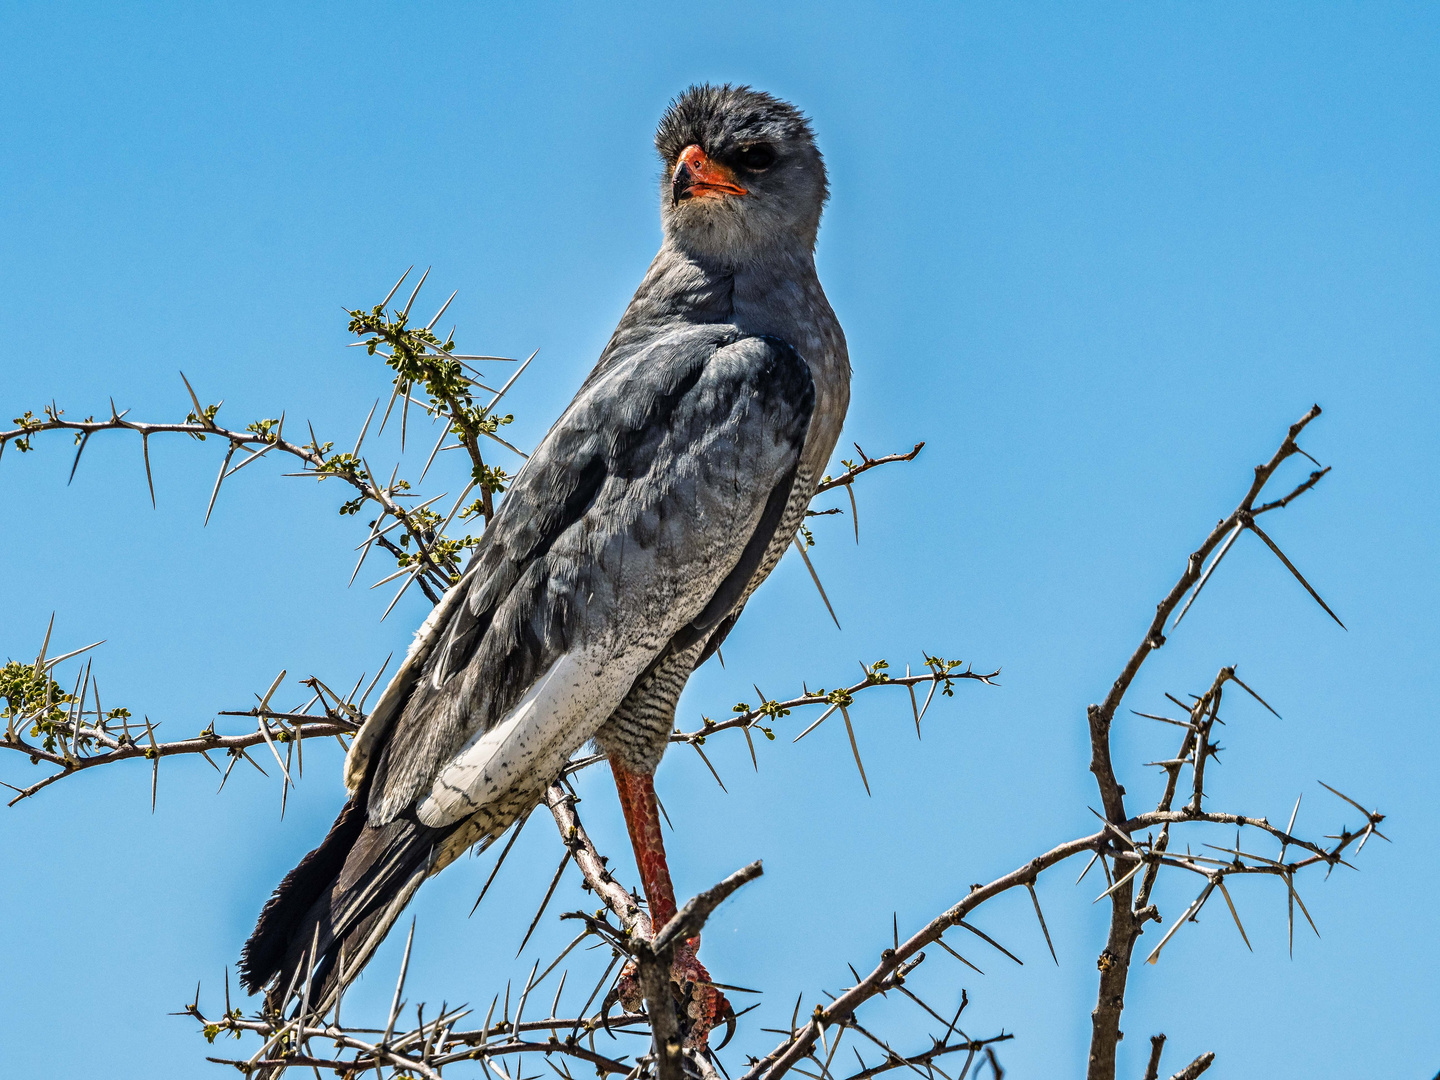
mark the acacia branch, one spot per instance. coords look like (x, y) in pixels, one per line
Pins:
(315, 457)
(1114, 840)
(1155, 636)
(1128, 916)
(853, 469)
(423, 1050)
(634, 922)
(896, 962)
(125, 748)
(942, 676)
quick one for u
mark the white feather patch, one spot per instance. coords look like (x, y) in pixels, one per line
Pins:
(561, 710)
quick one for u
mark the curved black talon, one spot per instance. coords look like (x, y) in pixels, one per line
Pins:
(729, 1028)
(611, 999)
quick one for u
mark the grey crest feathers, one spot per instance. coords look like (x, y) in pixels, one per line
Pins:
(786, 196)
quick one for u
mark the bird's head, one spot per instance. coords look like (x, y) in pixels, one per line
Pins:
(742, 173)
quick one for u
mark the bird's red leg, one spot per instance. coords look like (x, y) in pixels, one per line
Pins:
(704, 1004)
(642, 818)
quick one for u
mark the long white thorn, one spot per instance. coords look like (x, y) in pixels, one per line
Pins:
(364, 428)
(418, 286)
(444, 430)
(399, 986)
(398, 521)
(800, 546)
(419, 569)
(443, 306)
(45, 645)
(396, 287)
(518, 372)
(49, 665)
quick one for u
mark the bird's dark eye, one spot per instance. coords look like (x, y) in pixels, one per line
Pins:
(756, 158)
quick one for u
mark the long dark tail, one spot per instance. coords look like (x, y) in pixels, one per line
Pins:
(333, 910)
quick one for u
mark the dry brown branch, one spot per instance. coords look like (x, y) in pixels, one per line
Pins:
(655, 957)
(897, 961)
(1128, 918)
(417, 356)
(853, 469)
(1195, 1068)
(914, 1062)
(635, 929)
(1157, 1045)
(634, 922)
(313, 456)
(116, 750)
(942, 676)
(425, 1051)
(74, 737)
(1242, 516)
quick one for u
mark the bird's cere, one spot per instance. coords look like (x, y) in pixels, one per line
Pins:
(697, 174)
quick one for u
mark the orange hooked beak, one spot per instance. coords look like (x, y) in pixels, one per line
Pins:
(697, 174)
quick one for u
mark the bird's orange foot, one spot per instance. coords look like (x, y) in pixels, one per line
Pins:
(700, 1006)
(627, 989)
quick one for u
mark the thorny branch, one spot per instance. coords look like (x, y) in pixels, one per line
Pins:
(866, 463)
(416, 355)
(1128, 916)
(74, 736)
(655, 956)
(76, 733)
(634, 922)
(942, 675)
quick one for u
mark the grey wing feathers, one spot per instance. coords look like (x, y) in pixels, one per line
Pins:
(674, 461)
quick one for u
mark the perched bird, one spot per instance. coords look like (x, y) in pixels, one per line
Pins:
(618, 561)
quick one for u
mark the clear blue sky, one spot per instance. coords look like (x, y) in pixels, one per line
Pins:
(1097, 256)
